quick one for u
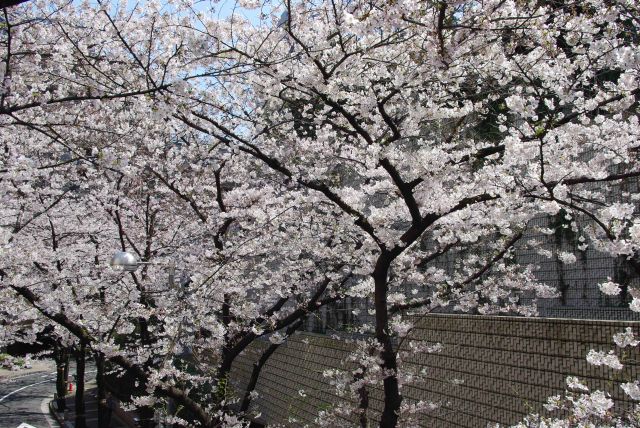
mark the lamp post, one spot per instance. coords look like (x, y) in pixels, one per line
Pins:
(128, 262)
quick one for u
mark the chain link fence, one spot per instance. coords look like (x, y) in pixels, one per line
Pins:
(579, 296)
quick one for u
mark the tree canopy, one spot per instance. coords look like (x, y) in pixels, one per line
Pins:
(323, 150)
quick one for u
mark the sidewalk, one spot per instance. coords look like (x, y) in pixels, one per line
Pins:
(119, 418)
(37, 366)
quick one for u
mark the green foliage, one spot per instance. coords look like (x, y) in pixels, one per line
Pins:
(221, 389)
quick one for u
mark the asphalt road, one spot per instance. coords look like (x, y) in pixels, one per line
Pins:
(25, 399)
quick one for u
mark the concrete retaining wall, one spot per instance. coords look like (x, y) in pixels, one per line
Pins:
(490, 370)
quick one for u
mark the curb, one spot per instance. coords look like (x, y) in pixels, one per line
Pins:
(54, 412)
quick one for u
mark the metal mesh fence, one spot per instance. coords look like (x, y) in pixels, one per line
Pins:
(577, 282)
(490, 370)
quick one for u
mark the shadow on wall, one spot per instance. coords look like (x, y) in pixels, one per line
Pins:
(490, 370)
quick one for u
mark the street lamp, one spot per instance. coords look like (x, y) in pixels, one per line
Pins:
(128, 262)
(125, 261)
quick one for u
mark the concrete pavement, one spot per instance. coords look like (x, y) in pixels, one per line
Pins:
(24, 396)
(119, 418)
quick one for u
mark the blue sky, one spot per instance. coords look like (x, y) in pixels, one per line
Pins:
(226, 8)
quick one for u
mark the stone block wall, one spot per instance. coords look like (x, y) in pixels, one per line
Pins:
(490, 370)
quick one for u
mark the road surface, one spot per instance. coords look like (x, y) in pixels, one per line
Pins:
(24, 399)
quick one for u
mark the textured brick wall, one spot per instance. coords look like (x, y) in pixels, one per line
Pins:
(508, 367)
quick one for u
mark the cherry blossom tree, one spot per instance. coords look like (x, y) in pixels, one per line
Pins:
(441, 128)
(142, 181)
(580, 406)
(328, 149)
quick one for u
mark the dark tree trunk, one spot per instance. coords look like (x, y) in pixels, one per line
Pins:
(392, 397)
(9, 3)
(255, 374)
(66, 369)
(102, 392)
(145, 337)
(257, 367)
(62, 368)
(80, 371)
(227, 353)
(146, 416)
(363, 404)
(222, 375)
(363, 393)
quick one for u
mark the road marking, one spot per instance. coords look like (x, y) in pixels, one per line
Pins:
(9, 379)
(25, 387)
(44, 403)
